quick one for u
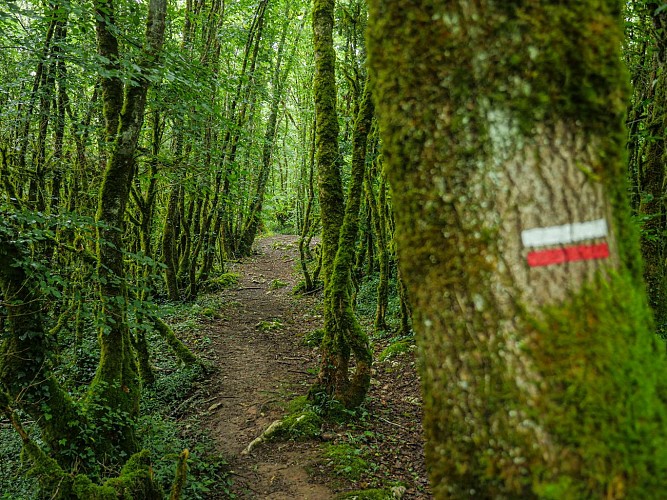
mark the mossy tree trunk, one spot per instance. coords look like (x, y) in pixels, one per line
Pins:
(380, 229)
(145, 205)
(343, 336)
(82, 128)
(307, 223)
(116, 384)
(169, 254)
(240, 109)
(247, 236)
(651, 177)
(61, 102)
(503, 139)
(327, 155)
(405, 327)
(332, 202)
(210, 58)
(37, 190)
(21, 132)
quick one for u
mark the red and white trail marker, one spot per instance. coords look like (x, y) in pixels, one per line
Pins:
(572, 240)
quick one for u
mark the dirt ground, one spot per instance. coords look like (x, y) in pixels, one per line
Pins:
(262, 363)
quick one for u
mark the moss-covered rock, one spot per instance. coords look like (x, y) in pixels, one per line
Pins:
(370, 494)
(221, 282)
(396, 349)
(306, 425)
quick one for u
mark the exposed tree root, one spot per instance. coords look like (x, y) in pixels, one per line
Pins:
(270, 431)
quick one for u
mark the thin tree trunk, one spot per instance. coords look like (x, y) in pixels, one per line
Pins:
(343, 335)
(169, 244)
(61, 102)
(232, 136)
(380, 230)
(651, 181)
(116, 382)
(251, 226)
(306, 231)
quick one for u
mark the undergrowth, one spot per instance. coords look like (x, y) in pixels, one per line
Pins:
(367, 302)
(163, 428)
(396, 344)
(277, 284)
(346, 460)
(371, 494)
(355, 458)
(314, 337)
(166, 438)
(220, 282)
(302, 421)
(14, 485)
(397, 347)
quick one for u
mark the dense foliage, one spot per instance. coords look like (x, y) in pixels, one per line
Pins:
(143, 145)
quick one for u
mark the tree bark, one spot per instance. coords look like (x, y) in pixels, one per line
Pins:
(169, 244)
(503, 137)
(327, 155)
(380, 229)
(343, 336)
(116, 383)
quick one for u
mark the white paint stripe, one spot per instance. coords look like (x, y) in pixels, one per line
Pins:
(562, 235)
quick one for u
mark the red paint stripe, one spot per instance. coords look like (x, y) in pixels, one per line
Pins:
(568, 254)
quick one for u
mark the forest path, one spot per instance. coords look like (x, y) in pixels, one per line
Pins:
(261, 363)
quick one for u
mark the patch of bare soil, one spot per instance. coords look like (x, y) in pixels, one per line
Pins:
(262, 363)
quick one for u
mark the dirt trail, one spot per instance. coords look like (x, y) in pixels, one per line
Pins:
(261, 363)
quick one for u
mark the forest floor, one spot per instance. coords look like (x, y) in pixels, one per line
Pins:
(262, 362)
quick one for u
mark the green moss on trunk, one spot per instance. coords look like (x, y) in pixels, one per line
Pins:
(651, 186)
(253, 221)
(181, 476)
(169, 244)
(146, 371)
(343, 335)
(332, 202)
(116, 384)
(380, 229)
(178, 348)
(499, 117)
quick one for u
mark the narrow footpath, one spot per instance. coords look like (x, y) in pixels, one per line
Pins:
(261, 364)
